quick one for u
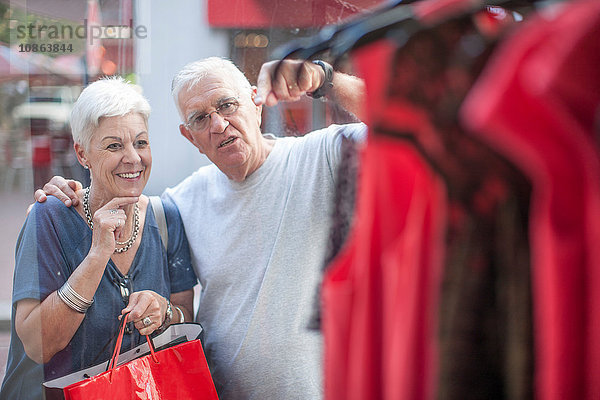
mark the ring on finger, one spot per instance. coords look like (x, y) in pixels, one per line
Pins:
(113, 211)
(147, 321)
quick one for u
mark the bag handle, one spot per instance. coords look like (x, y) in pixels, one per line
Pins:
(113, 360)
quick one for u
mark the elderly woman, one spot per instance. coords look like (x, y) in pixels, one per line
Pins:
(79, 269)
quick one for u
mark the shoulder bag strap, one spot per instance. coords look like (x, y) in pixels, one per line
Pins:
(161, 220)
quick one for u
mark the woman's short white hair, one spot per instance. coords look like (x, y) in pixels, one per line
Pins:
(191, 74)
(107, 97)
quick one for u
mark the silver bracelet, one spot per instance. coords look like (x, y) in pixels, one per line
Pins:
(73, 299)
(181, 316)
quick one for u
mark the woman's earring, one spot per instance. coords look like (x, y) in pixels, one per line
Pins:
(86, 167)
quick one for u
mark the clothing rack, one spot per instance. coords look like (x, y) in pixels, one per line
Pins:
(541, 136)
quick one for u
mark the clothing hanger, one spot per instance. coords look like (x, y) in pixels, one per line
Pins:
(397, 20)
(306, 48)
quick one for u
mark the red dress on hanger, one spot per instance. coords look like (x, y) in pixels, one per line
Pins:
(538, 102)
(420, 302)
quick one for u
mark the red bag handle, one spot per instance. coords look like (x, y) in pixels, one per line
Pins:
(113, 360)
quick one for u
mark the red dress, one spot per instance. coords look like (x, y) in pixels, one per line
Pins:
(539, 103)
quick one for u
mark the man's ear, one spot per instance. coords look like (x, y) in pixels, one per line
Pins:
(258, 108)
(80, 152)
(187, 134)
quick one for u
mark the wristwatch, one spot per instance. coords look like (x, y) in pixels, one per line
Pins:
(327, 83)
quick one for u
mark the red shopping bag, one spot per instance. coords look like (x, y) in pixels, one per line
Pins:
(178, 372)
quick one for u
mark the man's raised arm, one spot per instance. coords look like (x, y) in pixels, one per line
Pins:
(295, 78)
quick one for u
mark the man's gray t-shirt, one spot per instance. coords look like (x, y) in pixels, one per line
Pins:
(258, 247)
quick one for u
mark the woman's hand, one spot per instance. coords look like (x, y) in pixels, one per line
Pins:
(108, 221)
(149, 306)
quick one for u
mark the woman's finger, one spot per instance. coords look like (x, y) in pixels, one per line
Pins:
(145, 310)
(112, 216)
(141, 304)
(118, 202)
(147, 329)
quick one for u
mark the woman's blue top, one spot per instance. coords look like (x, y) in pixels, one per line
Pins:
(53, 242)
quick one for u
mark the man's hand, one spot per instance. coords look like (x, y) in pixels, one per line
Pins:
(63, 189)
(294, 78)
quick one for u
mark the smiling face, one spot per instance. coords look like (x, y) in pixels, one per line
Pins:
(234, 143)
(118, 156)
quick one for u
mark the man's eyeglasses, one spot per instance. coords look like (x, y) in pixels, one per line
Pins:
(200, 122)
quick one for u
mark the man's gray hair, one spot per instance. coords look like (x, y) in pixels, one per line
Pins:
(107, 97)
(194, 72)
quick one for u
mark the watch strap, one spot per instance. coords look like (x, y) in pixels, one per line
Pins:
(327, 82)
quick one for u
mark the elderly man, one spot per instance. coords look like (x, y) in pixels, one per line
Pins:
(257, 221)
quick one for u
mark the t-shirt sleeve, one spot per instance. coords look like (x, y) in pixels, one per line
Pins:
(40, 265)
(333, 135)
(356, 132)
(181, 272)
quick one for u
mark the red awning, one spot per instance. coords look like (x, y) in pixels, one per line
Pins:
(283, 13)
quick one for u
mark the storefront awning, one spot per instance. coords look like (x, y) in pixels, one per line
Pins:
(256, 14)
